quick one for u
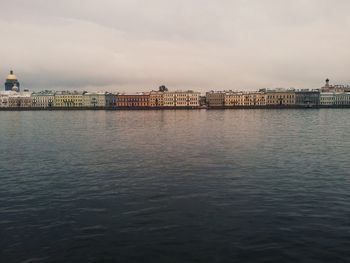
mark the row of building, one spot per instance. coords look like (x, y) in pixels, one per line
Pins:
(74, 99)
(14, 97)
(328, 95)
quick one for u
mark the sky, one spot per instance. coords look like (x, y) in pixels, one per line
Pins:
(135, 45)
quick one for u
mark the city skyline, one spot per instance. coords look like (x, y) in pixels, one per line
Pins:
(138, 46)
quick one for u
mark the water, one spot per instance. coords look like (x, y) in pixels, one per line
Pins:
(175, 186)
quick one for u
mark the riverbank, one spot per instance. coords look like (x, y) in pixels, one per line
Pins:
(174, 108)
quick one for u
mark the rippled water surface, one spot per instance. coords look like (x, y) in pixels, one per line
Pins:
(175, 186)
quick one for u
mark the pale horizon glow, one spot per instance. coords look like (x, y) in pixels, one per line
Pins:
(135, 45)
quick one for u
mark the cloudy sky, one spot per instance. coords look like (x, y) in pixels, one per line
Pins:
(129, 45)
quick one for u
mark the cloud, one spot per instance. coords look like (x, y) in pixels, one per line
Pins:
(194, 44)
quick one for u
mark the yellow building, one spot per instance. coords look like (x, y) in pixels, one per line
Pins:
(280, 97)
(68, 99)
(257, 99)
(245, 99)
(234, 98)
(181, 99)
(156, 99)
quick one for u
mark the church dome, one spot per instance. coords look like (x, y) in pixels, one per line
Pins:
(11, 76)
(12, 81)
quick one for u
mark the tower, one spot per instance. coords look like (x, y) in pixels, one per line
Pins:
(11, 81)
(327, 83)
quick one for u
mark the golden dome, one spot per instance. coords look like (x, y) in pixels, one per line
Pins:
(11, 76)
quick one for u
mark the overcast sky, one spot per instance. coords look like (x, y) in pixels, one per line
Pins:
(130, 45)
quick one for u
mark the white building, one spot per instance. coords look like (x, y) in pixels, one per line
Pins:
(98, 99)
(327, 98)
(94, 99)
(335, 98)
(43, 99)
(4, 98)
(13, 98)
(181, 99)
(342, 99)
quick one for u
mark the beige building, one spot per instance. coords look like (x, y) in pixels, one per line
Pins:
(156, 99)
(92, 99)
(215, 98)
(233, 98)
(257, 99)
(181, 99)
(68, 99)
(245, 99)
(280, 97)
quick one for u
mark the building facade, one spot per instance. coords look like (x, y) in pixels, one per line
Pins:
(327, 98)
(240, 99)
(280, 98)
(156, 99)
(307, 98)
(43, 99)
(94, 99)
(342, 99)
(4, 98)
(234, 99)
(181, 99)
(132, 100)
(256, 99)
(110, 99)
(14, 99)
(68, 99)
(215, 98)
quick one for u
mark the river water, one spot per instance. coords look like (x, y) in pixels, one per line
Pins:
(175, 186)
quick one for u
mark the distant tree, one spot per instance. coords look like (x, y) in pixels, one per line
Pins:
(163, 88)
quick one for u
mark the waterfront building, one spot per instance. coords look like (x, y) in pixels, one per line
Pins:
(215, 98)
(233, 98)
(13, 99)
(12, 83)
(342, 99)
(110, 99)
(256, 99)
(94, 99)
(181, 98)
(43, 99)
(132, 100)
(4, 98)
(327, 98)
(280, 97)
(307, 98)
(156, 98)
(202, 101)
(68, 99)
(98, 99)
